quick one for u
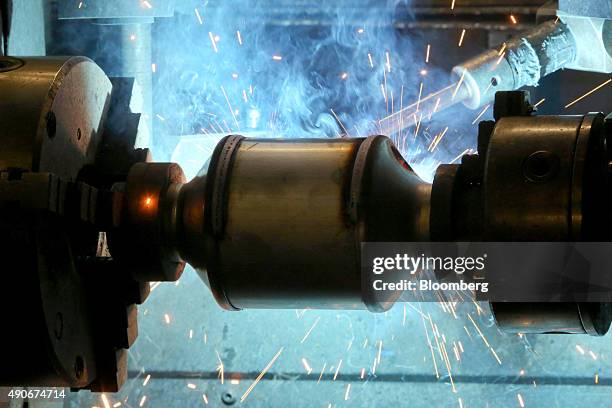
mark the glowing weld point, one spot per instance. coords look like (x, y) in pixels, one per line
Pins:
(148, 201)
(133, 37)
(167, 318)
(235, 75)
(277, 57)
(191, 386)
(344, 75)
(423, 72)
(360, 31)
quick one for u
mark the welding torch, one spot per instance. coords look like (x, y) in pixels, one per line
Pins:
(569, 41)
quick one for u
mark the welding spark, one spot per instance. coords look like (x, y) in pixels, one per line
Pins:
(481, 113)
(339, 122)
(260, 376)
(388, 61)
(419, 98)
(453, 5)
(513, 19)
(461, 38)
(133, 37)
(220, 368)
(370, 60)
(593, 356)
(427, 53)
(360, 31)
(277, 57)
(80, 4)
(146, 380)
(423, 72)
(205, 398)
(539, 103)
(346, 393)
(322, 371)
(588, 93)
(239, 37)
(436, 140)
(142, 400)
(344, 75)
(519, 397)
(337, 369)
(105, 401)
(306, 365)
(160, 117)
(153, 67)
(116, 404)
(501, 57)
(458, 85)
(502, 49)
(191, 386)
(167, 318)
(199, 17)
(580, 349)
(458, 157)
(212, 41)
(311, 329)
(230, 107)
(147, 4)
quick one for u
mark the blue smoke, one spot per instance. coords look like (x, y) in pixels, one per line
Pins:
(293, 69)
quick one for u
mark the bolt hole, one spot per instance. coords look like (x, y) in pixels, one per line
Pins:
(227, 398)
(79, 134)
(541, 166)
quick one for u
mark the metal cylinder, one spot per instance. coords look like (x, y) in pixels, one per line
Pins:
(279, 223)
(288, 218)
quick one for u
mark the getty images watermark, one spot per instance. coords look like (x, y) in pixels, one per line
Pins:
(490, 271)
(414, 265)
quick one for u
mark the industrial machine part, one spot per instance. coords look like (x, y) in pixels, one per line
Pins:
(575, 38)
(89, 221)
